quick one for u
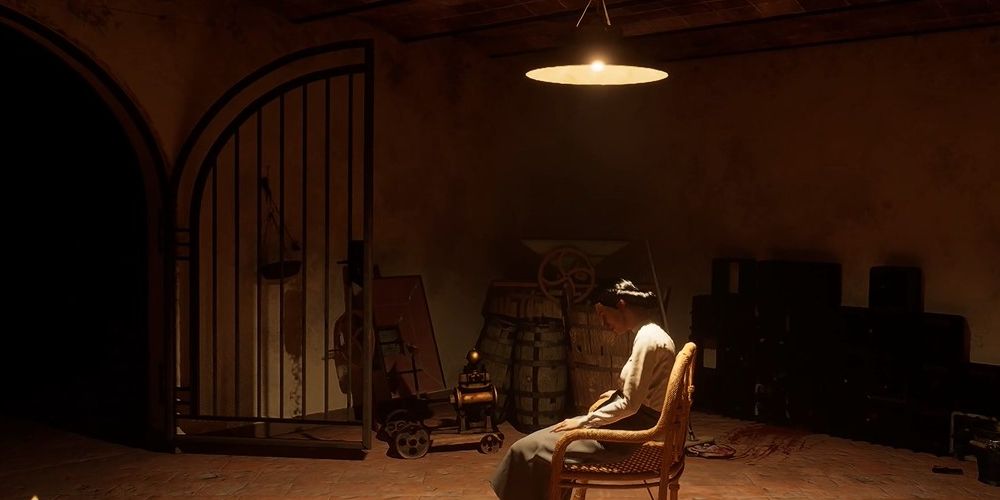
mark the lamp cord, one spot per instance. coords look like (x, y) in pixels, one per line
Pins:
(604, 8)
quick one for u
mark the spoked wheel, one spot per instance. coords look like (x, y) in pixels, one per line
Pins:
(392, 426)
(569, 271)
(412, 441)
(491, 443)
(395, 421)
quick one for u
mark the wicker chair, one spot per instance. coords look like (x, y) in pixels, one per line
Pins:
(653, 463)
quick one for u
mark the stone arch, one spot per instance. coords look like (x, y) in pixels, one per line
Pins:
(66, 284)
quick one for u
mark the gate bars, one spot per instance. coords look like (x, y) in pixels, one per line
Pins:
(258, 238)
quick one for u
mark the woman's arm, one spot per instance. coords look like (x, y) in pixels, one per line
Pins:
(603, 399)
(636, 379)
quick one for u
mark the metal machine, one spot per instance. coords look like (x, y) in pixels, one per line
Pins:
(414, 423)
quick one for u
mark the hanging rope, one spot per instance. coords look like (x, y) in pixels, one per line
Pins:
(285, 264)
(272, 217)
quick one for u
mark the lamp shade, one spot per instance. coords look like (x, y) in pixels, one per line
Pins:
(596, 56)
(596, 73)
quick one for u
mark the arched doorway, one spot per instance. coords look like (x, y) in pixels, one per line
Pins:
(81, 346)
(274, 216)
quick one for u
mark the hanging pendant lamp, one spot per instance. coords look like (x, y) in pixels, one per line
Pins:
(596, 58)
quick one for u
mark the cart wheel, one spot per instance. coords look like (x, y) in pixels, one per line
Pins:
(396, 420)
(392, 426)
(490, 443)
(411, 441)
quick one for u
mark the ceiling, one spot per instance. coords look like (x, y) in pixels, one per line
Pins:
(668, 29)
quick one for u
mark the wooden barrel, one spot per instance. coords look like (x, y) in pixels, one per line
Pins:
(517, 301)
(596, 357)
(537, 308)
(540, 379)
(507, 305)
(502, 302)
(496, 346)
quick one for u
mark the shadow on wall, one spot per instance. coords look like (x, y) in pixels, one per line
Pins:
(74, 218)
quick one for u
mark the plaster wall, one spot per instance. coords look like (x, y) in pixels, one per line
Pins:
(877, 152)
(437, 159)
(868, 153)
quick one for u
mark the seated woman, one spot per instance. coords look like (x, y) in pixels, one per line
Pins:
(523, 474)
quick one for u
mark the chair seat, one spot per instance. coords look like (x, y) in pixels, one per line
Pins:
(645, 460)
(661, 460)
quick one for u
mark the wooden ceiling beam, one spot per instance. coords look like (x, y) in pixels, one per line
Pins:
(345, 11)
(808, 16)
(565, 14)
(863, 22)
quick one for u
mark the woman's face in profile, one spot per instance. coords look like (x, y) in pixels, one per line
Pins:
(613, 318)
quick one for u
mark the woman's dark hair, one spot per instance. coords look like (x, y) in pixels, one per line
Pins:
(627, 291)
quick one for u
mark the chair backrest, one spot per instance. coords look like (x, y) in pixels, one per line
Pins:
(676, 412)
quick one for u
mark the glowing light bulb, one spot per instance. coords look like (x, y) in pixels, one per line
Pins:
(597, 66)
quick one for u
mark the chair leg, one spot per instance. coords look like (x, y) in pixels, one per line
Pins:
(674, 487)
(580, 493)
(663, 490)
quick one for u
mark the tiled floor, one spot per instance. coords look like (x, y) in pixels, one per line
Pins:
(770, 463)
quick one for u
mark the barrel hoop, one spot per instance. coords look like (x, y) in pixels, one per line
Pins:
(495, 357)
(541, 343)
(503, 319)
(537, 394)
(526, 322)
(535, 364)
(499, 339)
(593, 367)
(496, 337)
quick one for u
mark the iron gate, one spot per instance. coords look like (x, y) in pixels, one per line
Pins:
(274, 187)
